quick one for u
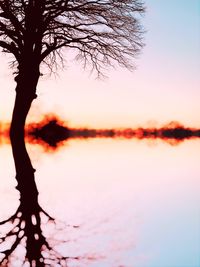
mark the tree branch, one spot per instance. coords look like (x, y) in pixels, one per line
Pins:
(11, 48)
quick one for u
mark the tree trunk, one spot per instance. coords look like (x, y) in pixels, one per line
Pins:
(29, 211)
(29, 208)
(25, 94)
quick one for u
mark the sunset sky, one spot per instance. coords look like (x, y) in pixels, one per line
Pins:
(164, 87)
(136, 202)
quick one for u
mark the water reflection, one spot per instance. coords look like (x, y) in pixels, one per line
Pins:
(52, 133)
(24, 226)
(137, 205)
(26, 230)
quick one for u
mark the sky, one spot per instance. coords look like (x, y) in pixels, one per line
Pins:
(163, 88)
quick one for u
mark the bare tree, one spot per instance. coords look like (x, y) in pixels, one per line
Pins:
(36, 32)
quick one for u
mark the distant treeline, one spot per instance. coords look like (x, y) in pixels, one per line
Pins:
(52, 132)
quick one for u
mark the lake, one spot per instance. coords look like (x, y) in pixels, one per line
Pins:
(117, 203)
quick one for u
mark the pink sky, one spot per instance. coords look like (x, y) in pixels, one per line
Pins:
(164, 87)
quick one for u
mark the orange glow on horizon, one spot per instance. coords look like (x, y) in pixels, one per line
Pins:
(52, 132)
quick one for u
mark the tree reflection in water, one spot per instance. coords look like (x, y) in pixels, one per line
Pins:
(26, 230)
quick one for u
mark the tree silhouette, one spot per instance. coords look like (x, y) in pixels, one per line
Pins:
(36, 32)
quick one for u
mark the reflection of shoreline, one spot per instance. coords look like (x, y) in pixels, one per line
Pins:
(21, 235)
(51, 132)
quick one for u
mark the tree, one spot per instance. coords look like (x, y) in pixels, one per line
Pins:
(36, 32)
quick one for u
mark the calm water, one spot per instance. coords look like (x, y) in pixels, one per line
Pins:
(135, 204)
